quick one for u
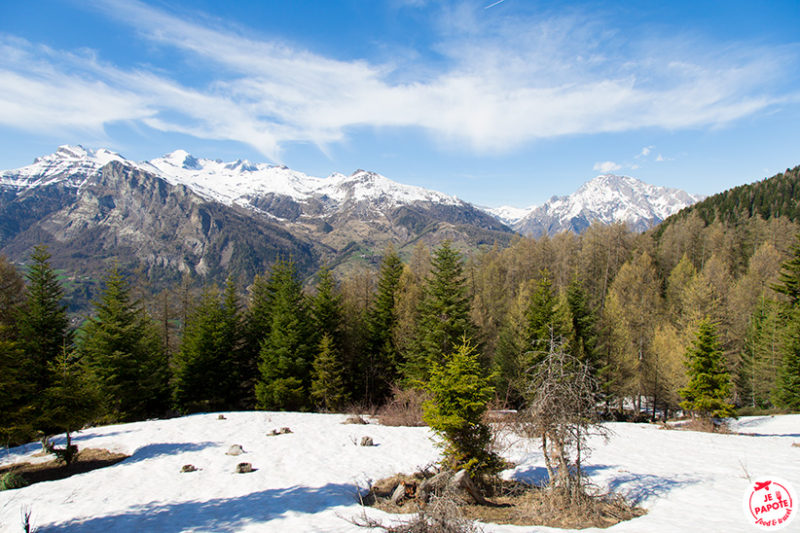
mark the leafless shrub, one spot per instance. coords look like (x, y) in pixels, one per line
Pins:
(440, 515)
(404, 409)
(26, 520)
(561, 400)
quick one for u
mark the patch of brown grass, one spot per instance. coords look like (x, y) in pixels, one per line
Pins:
(87, 460)
(404, 409)
(516, 503)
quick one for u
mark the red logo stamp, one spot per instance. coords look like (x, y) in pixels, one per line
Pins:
(770, 503)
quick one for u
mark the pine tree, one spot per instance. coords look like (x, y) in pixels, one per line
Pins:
(42, 323)
(381, 362)
(460, 393)
(327, 383)
(286, 353)
(444, 313)
(122, 348)
(709, 382)
(15, 411)
(548, 322)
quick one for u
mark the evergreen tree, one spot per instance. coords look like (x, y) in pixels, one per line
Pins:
(70, 402)
(444, 313)
(15, 412)
(286, 353)
(709, 382)
(206, 373)
(122, 348)
(327, 383)
(548, 322)
(460, 393)
(786, 394)
(512, 343)
(326, 308)
(42, 323)
(583, 338)
(381, 362)
(789, 278)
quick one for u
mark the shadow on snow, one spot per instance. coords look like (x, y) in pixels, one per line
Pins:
(156, 450)
(217, 515)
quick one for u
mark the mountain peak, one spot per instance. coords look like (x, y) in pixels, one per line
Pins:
(607, 198)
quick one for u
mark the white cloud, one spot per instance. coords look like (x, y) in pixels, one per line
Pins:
(505, 82)
(606, 167)
(645, 151)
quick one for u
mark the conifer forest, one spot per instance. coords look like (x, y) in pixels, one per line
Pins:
(699, 316)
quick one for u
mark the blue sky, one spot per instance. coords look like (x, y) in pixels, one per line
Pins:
(499, 103)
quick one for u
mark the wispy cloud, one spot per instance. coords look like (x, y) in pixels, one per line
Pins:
(505, 82)
(606, 167)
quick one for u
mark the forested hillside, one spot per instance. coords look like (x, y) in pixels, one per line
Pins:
(778, 196)
(635, 308)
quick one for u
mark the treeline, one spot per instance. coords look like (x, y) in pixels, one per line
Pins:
(778, 196)
(645, 313)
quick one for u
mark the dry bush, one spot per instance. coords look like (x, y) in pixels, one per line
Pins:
(404, 409)
(441, 515)
(706, 425)
(555, 507)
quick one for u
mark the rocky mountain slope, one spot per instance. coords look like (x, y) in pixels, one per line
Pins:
(607, 198)
(180, 214)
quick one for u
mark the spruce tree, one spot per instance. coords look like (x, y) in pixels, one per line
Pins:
(327, 382)
(381, 362)
(789, 278)
(287, 352)
(326, 308)
(786, 394)
(206, 369)
(460, 393)
(443, 315)
(709, 382)
(122, 348)
(43, 324)
(70, 402)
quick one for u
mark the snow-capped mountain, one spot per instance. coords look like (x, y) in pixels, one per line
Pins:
(180, 214)
(232, 183)
(240, 182)
(608, 199)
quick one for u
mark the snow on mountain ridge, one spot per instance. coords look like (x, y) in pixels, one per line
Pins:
(232, 183)
(607, 198)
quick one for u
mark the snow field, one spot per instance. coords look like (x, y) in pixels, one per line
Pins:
(307, 480)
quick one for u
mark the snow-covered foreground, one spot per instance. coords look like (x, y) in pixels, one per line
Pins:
(307, 480)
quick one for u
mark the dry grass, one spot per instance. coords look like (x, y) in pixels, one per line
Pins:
(511, 502)
(404, 409)
(85, 461)
(706, 425)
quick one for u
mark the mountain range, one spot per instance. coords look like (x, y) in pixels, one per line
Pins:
(180, 214)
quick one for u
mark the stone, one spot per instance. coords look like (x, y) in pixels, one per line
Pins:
(188, 468)
(221, 417)
(367, 441)
(282, 431)
(355, 419)
(235, 449)
(244, 468)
